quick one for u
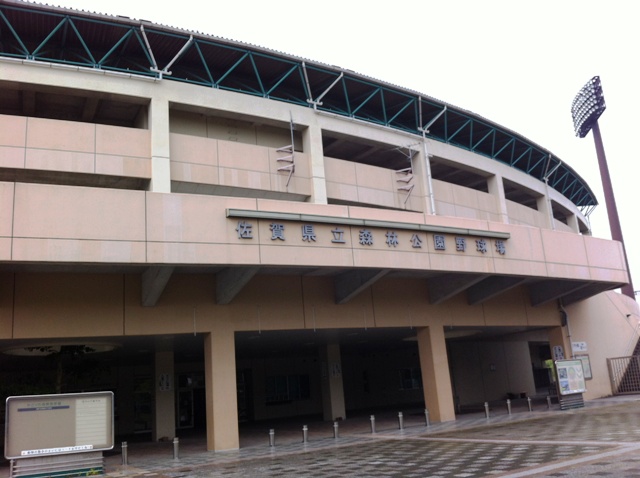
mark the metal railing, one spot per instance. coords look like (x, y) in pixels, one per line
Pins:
(624, 373)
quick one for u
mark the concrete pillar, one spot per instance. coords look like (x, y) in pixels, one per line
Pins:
(220, 382)
(312, 145)
(572, 221)
(558, 338)
(544, 207)
(495, 184)
(160, 147)
(332, 387)
(436, 381)
(164, 422)
(420, 176)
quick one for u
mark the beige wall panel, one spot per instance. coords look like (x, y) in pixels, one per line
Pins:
(276, 301)
(61, 135)
(400, 303)
(444, 191)
(387, 215)
(609, 275)
(69, 250)
(194, 253)
(6, 210)
(569, 271)
(297, 255)
(377, 197)
(13, 131)
(5, 249)
(194, 173)
(73, 305)
(187, 305)
(508, 309)
(233, 130)
(602, 323)
(563, 248)
(300, 208)
(6, 304)
(51, 160)
(123, 166)
(546, 314)
(342, 192)
(242, 156)
(189, 218)
(469, 212)
(391, 259)
(321, 311)
(119, 141)
(603, 253)
(297, 185)
(373, 177)
(462, 263)
(445, 209)
(11, 157)
(519, 267)
(519, 214)
(241, 178)
(274, 137)
(195, 150)
(193, 124)
(340, 171)
(486, 202)
(460, 313)
(61, 212)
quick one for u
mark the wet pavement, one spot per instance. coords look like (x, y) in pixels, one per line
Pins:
(600, 440)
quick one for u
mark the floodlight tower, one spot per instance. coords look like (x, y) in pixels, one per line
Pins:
(586, 108)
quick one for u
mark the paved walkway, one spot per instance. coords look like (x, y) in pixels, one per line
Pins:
(600, 440)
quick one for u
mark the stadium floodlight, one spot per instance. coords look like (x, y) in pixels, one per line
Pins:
(587, 107)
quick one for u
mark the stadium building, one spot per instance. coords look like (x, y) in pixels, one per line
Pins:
(220, 233)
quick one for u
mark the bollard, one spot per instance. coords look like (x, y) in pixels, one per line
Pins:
(426, 417)
(335, 429)
(272, 437)
(486, 409)
(176, 445)
(529, 404)
(549, 401)
(125, 453)
(372, 418)
(305, 434)
(400, 421)
(509, 406)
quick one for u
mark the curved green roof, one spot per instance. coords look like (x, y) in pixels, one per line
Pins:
(55, 35)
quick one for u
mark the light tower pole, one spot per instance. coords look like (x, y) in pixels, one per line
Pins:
(586, 108)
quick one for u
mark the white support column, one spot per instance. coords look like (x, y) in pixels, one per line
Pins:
(421, 173)
(333, 407)
(160, 147)
(222, 394)
(164, 423)
(436, 380)
(544, 208)
(495, 185)
(312, 145)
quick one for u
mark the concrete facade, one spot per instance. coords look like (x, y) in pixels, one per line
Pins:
(228, 278)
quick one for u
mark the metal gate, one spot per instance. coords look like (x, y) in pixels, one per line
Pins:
(624, 373)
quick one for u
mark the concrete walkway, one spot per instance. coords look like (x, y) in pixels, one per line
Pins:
(600, 440)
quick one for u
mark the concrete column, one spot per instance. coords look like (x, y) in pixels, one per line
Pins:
(312, 145)
(160, 147)
(332, 387)
(558, 338)
(572, 221)
(495, 184)
(164, 422)
(544, 208)
(436, 381)
(220, 382)
(420, 176)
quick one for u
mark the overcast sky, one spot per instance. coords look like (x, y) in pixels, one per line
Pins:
(519, 65)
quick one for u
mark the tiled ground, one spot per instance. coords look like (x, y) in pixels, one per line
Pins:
(599, 441)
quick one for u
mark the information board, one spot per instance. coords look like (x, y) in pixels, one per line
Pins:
(570, 377)
(38, 425)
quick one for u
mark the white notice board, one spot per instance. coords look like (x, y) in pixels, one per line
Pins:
(39, 425)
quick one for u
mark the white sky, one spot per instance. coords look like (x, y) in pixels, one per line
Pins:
(519, 65)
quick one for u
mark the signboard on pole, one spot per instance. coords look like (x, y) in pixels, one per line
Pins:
(40, 425)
